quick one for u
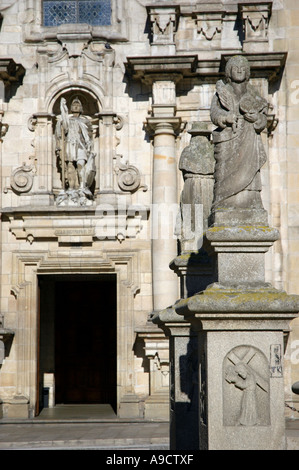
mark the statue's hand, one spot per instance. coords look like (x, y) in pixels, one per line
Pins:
(225, 120)
(231, 118)
(251, 116)
(260, 123)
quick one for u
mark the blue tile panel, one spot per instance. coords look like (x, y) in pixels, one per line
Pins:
(93, 12)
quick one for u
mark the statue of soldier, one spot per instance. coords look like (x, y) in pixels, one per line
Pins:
(75, 149)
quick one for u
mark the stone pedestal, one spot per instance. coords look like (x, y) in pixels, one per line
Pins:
(241, 324)
(240, 252)
(241, 345)
(183, 431)
(156, 350)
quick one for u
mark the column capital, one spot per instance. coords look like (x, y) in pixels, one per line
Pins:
(164, 125)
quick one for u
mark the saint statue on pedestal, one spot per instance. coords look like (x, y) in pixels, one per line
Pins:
(241, 115)
(74, 147)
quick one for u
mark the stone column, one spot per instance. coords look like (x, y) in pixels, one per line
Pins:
(164, 209)
(165, 125)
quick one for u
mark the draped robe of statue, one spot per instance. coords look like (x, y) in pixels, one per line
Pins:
(240, 114)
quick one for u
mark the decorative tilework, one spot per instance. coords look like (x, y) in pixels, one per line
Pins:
(93, 12)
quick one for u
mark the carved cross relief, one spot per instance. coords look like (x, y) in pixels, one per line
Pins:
(246, 387)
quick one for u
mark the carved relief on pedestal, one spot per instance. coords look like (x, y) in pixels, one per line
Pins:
(246, 387)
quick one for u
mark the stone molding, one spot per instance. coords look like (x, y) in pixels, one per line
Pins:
(75, 225)
(263, 65)
(164, 125)
(150, 68)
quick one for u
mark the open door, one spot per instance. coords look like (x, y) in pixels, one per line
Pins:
(78, 337)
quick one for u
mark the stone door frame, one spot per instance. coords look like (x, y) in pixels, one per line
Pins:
(26, 268)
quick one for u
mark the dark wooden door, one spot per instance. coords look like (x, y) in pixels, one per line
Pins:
(85, 342)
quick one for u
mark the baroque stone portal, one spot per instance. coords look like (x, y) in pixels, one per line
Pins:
(76, 158)
(241, 115)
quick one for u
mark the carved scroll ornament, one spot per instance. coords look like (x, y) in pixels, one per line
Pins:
(128, 177)
(21, 180)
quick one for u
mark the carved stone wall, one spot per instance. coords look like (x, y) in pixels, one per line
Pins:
(144, 80)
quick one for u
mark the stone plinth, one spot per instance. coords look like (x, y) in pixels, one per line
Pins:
(240, 252)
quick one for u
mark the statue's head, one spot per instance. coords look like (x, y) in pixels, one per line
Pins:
(237, 69)
(76, 106)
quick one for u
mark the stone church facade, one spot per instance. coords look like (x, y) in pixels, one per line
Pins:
(85, 259)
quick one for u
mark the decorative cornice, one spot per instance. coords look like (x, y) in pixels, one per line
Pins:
(263, 65)
(149, 67)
